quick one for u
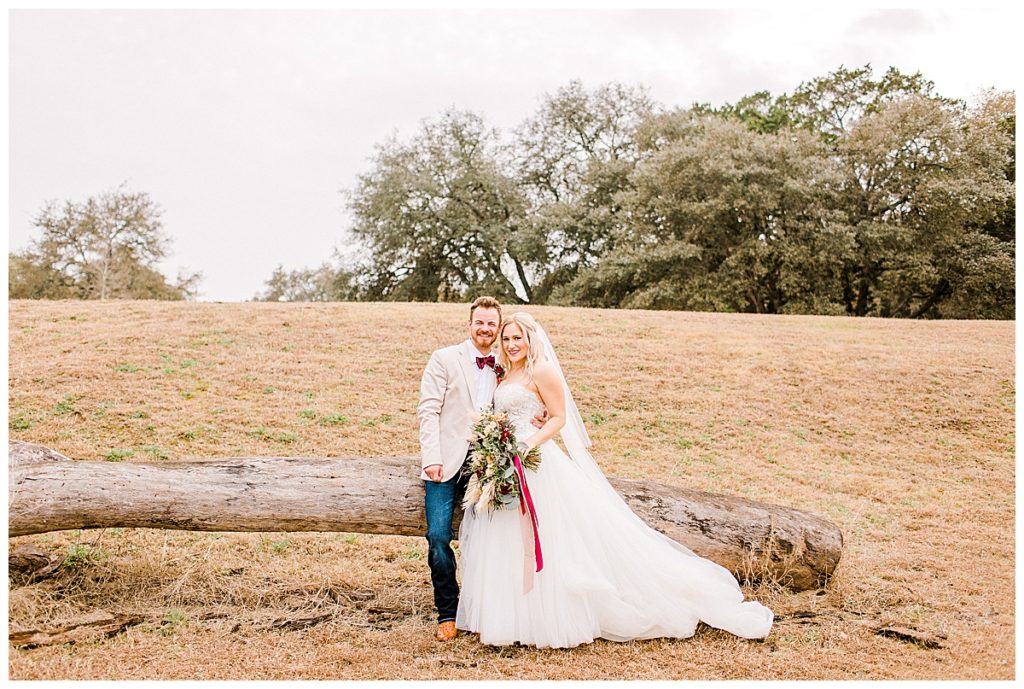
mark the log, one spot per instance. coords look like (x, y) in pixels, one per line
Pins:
(379, 495)
(29, 562)
(95, 625)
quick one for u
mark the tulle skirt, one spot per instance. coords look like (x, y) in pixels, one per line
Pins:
(606, 573)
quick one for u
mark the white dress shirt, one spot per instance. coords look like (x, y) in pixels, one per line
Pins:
(483, 379)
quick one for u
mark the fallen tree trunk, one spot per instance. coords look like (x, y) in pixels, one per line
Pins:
(381, 495)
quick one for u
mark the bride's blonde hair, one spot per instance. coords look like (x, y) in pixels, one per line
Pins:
(529, 327)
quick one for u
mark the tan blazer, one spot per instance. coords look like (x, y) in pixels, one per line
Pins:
(447, 404)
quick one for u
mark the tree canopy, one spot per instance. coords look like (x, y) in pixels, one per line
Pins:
(854, 194)
(106, 247)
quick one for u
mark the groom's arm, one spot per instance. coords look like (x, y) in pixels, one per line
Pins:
(432, 388)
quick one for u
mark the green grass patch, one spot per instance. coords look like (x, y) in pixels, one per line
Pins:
(80, 554)
(119, 454)
(171, 621)
(155, 451)
(19, 423)
(67, 405)
(380, 420)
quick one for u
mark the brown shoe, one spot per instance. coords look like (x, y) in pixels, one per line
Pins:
(446, 631)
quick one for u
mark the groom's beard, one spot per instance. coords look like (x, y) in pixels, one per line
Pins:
(484, 342)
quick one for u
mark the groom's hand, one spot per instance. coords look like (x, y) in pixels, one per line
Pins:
(434, 472)
(540, 419)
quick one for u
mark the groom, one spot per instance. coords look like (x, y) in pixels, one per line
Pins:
(459, 380)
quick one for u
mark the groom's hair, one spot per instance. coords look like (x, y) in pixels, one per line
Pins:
(486, 303)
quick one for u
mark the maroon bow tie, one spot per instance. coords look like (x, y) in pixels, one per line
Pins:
(482, 361)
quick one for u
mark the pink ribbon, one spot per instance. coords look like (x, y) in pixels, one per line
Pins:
(526, 503)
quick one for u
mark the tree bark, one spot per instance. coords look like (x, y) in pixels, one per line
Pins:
(379, 495)
(98, 624)
(862, 297)
(31, 562)
(941, 289)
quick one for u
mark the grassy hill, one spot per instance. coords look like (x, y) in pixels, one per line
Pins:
(900, 431)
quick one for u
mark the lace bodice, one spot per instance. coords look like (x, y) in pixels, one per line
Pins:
(521, 404)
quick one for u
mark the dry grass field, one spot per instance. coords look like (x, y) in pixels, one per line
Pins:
(902, 432)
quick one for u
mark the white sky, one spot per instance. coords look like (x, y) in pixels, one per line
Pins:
(245, 125)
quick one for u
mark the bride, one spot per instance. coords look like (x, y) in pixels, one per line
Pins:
(605, 573)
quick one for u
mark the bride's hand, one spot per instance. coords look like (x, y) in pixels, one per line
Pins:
(523, 448)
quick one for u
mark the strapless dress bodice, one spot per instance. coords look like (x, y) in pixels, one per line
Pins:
(521, 404)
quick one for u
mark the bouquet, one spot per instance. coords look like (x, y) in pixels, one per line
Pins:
(494, 482)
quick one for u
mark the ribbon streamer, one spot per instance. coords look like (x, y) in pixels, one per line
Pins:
(526, 504)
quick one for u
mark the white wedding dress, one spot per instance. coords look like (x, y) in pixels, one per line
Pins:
(606, 573)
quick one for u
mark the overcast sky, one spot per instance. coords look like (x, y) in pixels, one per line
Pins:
(245, 125)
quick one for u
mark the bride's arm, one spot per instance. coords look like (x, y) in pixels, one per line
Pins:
(549, 387)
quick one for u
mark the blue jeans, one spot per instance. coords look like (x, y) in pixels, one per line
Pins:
(439, 505)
